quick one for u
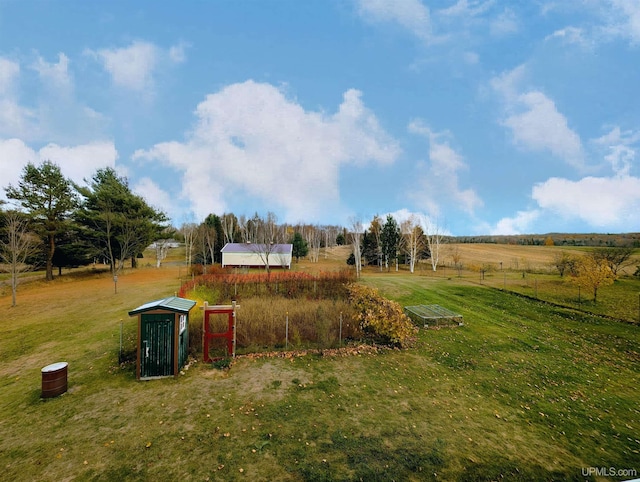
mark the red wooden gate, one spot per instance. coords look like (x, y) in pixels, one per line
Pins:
(230, 334)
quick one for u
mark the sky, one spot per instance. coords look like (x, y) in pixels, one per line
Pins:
(480, 116)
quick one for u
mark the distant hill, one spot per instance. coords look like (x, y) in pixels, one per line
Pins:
(556, 239)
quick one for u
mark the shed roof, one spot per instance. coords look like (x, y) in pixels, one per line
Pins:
(172, 303)
(256, 248)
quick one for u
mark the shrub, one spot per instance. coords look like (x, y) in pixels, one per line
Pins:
(286, 284)
(382, 320)
(316, 308)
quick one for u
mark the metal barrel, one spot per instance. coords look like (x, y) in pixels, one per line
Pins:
(54, 379)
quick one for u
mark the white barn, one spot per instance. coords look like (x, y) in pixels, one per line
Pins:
(254, 255)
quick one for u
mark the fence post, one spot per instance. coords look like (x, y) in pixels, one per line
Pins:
(340, 333)
(233, 303)
(286, 332)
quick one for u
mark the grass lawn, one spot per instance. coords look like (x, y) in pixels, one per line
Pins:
(522, 391)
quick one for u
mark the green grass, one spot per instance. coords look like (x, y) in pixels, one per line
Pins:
(620, 300)
(522, 391)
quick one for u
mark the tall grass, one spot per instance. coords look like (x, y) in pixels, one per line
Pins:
(276, 311)
(262, 323)
(229, 285)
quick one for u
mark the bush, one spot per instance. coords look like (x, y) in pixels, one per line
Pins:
(382, 320)
(285, 284)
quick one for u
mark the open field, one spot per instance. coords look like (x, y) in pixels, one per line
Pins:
(523, 391)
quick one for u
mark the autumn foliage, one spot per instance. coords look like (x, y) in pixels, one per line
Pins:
(227, 285)
(593, 273)
(382, 320)
(323, 310)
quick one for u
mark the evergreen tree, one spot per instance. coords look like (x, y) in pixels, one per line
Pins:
(215, 222)
(120, 223)
(390, 239)
(300, 247)
(48, 199)
(369, 248)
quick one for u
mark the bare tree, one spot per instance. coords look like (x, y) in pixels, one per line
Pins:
(188, 230)
(249, 228)
(434, 237)
(242, 227)
(313, 237)
(128, 240)
(456, 257)
(228, 227)
(16, 247)
(162, 249)
(209, 236)
(356, 239)
(330, 234)
(268, 235)
(413, 240)
(617, 258)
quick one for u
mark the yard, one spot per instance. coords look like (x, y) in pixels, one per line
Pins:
(523, 391)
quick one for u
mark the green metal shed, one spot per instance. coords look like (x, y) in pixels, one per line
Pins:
(163, 337)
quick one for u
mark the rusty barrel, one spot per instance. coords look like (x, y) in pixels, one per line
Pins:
(54, 379)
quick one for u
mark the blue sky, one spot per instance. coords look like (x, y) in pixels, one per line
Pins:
(485, 117)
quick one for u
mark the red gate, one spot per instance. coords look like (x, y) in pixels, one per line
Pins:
(230, 334)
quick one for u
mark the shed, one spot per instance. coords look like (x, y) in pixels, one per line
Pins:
(256, 255)
(163, 337)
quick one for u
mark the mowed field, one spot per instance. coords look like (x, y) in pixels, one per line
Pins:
(523, 390)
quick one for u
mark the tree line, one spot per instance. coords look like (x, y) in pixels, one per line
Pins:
(54, 222)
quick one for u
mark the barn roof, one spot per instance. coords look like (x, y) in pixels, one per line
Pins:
(172, 303)
(256, 248)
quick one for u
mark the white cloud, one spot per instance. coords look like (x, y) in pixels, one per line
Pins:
(155, 196)
(604, 203)
(508, 83)
(623, 20)
(571, 35)
(55, 73)
(15, 120)
(249, 138)
(440, 183)
(14, 155)
(81, 161)
(409, 14)
(521, 223)
(130, 67)
(620, 151)
(177, 53)
(76, 162)
(504, 24)
(9, 71)
(608, 21)
(135, 67)
(535, 121)
(53, 114)
(465, 11)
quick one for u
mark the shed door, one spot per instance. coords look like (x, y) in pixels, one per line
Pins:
(156, 346)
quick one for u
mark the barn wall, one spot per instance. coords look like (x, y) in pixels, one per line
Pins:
(241, 259)
(254, 259)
